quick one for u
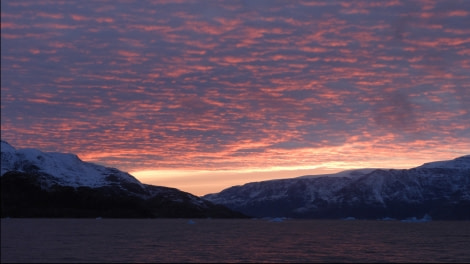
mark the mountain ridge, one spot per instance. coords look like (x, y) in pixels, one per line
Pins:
(439, 189)
(53, 184)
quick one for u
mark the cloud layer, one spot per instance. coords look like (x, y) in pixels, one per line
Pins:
(227, 85)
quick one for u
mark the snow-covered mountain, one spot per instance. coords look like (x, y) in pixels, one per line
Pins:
(65, 169)
(439, 189)
(36, 183)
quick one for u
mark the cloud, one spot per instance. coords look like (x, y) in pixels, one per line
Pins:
(395, 111)
(235, 84)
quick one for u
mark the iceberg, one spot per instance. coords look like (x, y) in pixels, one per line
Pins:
(426, 218)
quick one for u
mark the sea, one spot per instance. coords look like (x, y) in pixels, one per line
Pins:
(233, 241)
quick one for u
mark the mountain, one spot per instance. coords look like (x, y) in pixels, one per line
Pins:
(440, 190)
(51, 184)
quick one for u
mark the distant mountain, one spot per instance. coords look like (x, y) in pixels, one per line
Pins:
(50, 184)
(440, 190)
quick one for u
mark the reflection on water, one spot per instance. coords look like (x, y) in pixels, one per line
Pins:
(232, 240)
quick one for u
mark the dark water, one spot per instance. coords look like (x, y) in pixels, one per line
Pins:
(216, 240)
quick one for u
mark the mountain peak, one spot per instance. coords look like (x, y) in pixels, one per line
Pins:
(6, 147)
(457, 163)
(61, 168)
(53, 184)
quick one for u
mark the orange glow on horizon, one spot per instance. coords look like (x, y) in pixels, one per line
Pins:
(202, 181)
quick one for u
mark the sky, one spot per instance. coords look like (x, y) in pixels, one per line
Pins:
(204, 95)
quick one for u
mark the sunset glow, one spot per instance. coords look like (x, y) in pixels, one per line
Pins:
(203, 95)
